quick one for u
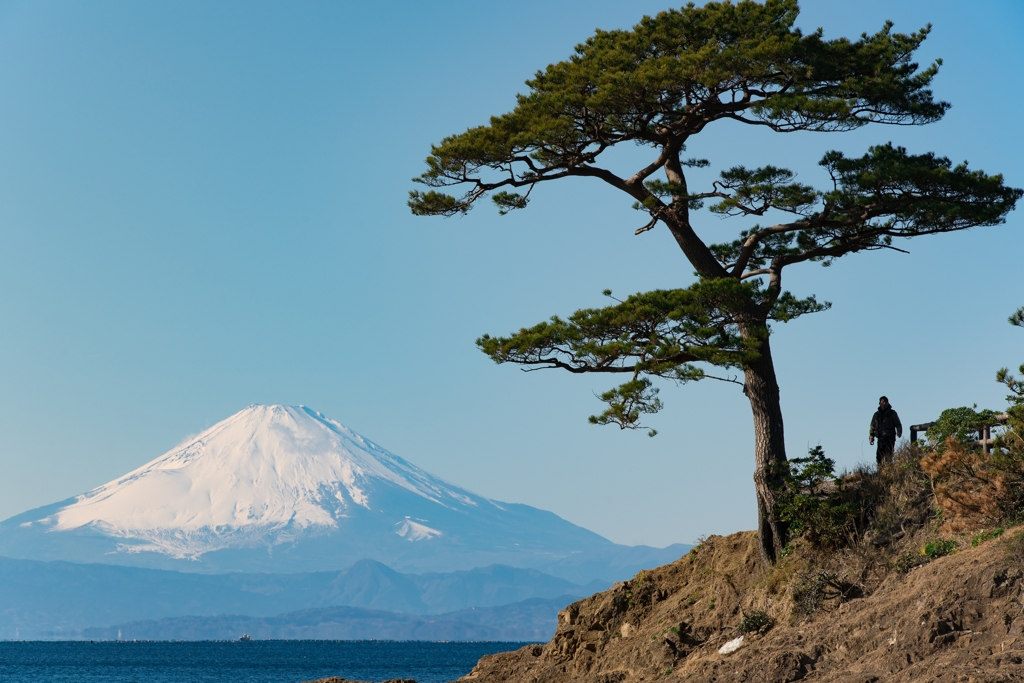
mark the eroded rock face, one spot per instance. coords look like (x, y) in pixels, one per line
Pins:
(959, 618)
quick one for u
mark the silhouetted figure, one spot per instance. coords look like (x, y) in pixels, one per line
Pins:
(886, 427)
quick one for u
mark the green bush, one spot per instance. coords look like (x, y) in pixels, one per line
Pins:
(814, 503)
(934, 549)
(960, 424)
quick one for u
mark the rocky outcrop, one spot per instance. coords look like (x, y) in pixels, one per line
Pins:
(957, 618)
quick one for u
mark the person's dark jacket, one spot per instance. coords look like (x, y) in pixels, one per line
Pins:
(885, 424)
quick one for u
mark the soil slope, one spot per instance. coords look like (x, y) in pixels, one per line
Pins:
(957, 618)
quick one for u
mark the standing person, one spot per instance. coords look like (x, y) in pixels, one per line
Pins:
(886, 427)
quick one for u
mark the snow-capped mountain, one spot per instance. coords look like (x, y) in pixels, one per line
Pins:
(284, 488)
(265, 476)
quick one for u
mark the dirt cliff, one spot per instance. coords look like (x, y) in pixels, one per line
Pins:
(957, 618)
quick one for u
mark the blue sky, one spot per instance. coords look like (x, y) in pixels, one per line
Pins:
(202, 206)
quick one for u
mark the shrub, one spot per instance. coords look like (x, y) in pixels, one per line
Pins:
(907, 561)
(640, 590)
(960, 426)
(967, 487)
(812, 591)
(814, 503)
(756, 621)
(976, 489)
(935, 549)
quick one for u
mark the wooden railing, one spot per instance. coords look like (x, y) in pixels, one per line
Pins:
(984, 433)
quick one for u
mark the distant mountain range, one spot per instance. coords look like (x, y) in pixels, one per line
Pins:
(530, 620)
(60, 599)
(285, 489)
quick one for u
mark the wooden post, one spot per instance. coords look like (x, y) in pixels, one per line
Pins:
(914, 429)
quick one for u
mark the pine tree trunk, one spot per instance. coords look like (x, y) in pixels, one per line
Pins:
(762, 389)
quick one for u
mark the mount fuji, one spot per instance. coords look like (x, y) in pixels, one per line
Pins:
(286, 489)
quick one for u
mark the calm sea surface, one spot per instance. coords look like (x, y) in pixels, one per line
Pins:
(275, 661)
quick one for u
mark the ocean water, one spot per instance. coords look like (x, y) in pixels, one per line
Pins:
(267, 661)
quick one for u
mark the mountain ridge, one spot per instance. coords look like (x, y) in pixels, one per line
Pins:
(59, 599)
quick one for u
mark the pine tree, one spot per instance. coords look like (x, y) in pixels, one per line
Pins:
(656, 86)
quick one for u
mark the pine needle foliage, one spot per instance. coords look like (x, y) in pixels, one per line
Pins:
(652, 334)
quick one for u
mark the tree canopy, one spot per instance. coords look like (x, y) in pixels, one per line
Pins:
(665, 81)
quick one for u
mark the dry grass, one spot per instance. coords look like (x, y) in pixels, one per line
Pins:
(1014, 546)
(968, 490)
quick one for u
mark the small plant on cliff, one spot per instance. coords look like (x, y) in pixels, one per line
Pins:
(814, 590)
(697, 547)
(814, 503)
(640, 589)
(756, 621)
(936, 549)
(907, 561)
(986, 536)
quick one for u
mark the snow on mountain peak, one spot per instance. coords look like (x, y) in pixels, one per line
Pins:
(414, 531)
(267, 471)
